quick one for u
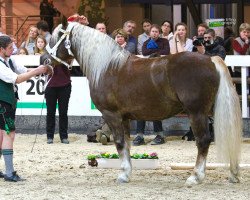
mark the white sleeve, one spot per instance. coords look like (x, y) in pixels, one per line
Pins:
(139, 45)
(7, 75)
(189, 45)
(171, 46)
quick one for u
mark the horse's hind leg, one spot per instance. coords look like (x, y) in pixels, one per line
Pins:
(199, 124)
(234, 173)
(120, 130)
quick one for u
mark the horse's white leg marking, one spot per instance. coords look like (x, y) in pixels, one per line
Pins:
(125, 165)
(198, 174)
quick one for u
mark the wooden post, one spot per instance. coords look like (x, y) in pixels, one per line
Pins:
(209, 166)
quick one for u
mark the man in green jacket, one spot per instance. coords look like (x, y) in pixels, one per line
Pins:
(10, 74)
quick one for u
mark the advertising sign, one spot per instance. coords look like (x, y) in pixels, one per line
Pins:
(32, 100)
(217, 25)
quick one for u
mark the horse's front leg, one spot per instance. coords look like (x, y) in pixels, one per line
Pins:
(123, 147)
(199, 124)
(120, 130)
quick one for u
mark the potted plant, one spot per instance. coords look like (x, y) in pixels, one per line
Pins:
(139, 161)
(92, 160)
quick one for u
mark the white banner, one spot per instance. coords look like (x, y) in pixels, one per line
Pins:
(32, 100)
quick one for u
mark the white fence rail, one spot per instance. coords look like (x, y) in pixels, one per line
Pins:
(244, 63)
(240, 61)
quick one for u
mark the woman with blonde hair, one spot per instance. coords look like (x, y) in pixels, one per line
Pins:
(40, 45)
(180, 41)
(29, 44)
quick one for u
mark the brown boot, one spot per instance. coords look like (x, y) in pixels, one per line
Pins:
(104, 139)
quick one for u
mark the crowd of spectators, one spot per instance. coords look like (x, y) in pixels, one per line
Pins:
(155, 40)
(177, 39)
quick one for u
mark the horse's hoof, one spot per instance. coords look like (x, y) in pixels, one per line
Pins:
(234, 179)
(192, 180)
(122, 179)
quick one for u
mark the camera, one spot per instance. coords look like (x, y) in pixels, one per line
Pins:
(199, 41)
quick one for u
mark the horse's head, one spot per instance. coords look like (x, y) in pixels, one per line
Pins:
(59, 48)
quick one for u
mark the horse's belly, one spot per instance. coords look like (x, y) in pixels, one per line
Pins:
(153, 111)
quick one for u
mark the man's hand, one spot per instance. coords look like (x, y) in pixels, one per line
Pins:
(42, 69)
(83, 20)
(176, 36)
(245, 38)
(201, 49)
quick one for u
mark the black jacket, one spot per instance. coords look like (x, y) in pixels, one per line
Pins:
(215, 49)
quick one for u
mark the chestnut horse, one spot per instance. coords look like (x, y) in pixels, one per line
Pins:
(124, 86)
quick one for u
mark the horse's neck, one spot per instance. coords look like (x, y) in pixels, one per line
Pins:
(90, 46)
(94, 50)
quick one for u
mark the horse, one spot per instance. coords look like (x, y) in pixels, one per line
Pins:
(125, 87)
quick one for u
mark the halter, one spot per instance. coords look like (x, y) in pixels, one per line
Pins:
(52, 51)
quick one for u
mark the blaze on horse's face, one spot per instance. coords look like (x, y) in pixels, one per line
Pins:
(61, 52)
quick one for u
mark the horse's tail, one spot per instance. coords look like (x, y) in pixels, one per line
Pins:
(227, 117)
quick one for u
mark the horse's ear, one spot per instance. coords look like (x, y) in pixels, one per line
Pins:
(64, 21)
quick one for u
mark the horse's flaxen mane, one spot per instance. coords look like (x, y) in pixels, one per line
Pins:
(96, 52)
(55, 35)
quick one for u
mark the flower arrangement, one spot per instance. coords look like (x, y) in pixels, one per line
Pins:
(116, 156)
(145, 156)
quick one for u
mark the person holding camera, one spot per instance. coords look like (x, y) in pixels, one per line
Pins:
(201, 29)
(209, 46)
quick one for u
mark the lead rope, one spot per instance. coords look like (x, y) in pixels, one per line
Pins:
(46, 82)
(38, 124)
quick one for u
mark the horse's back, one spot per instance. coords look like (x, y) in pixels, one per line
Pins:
(143, 90)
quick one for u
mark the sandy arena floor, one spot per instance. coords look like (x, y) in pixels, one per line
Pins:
(59, 171)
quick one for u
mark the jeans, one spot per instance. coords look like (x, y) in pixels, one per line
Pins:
(141, 126)
(60, 95)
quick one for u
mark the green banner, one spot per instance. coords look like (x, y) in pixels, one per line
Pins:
(33, 105)
(93, 106)
(39, 105)
(216, 24)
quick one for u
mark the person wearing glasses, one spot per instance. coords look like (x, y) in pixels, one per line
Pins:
(166, 29)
